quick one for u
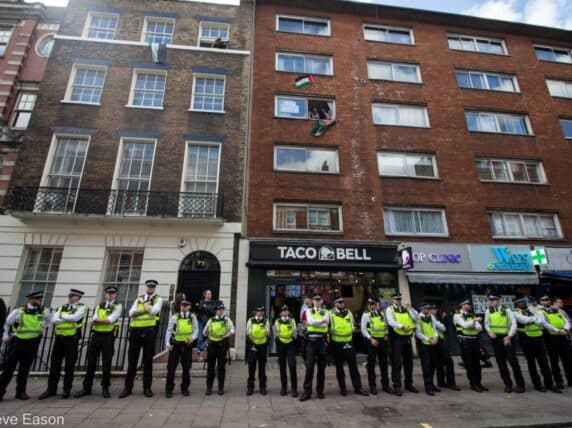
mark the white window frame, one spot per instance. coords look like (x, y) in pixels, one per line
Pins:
(507, 162)
(553, 48)
(16, 112)
(211, 39)
(397, 106)
(415, 209)
(40, 43)
(405, 156)
(50, 285)
(71, 80)
(484, 75)
(132, 291)
(495, 116)
(387, 29)
(90, 15)
(306, 148)
(308, 206)
(563, 119)
(567, 87)
(333, 101)
(303, 19)
(521, 215)
(474, 40)
(149, 19)
(392, 65)
(137, 71)
(115, 181)
(209, 76)
(5, 45)
(304, 55)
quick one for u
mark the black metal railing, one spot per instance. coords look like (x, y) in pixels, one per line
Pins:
(54, 200)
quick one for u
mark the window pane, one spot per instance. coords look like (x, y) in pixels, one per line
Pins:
(291, 107)
(316, 28)
(291, 25)
(518, 170)
(430, 222)
(405, 73)
(379, 70)
(391, 164)
(532, 225)
(500, 171)
(463, 79)
(454, 43)
(411, 116)
(385, 115)
(420, 166)
(400, 221)
(322, 160)
(566, 125)
(534, 174)
(292, 159)
(512, 225)
(484, 170)
(477, 81)
(548, 226)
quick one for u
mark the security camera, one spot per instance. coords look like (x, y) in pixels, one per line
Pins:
(181, 242)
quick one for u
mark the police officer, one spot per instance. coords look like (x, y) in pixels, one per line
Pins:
(285, 333)
(402, 322)
(28, 322)
(144, 316)
(468, 327)
(530, 329)
(258, 332)
(342, 326)
(500, 325)
(557, 342)
(375, 331)
(427, 340)
(68, 321)
(445, 367)
(317, 321)
(182, 331)
(218, 330)
(103, 332)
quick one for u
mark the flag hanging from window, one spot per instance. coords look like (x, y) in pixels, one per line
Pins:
(321, 127)
(158, 53)
(303, 81)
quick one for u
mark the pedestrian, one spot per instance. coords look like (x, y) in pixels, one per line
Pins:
(205, 311)
(68, 321)
(28, 322)
(302, 327)
(445, 367)
(468, 327)
(182, 331)
(427, 339)
(218, 330)
(102, 341)
(530, 327)
(342, 326)
(285, 333)
(257, 332)
(402, 321)
(317, 321)
(557, 342)
(144, 316)
(500, 325)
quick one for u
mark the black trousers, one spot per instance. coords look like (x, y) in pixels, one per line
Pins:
(65, 347)
(401, 355)
(140, 338)
(341, 352)
(471, 356)
(287, 356)
(182, 352)
(216, 358)
(377, 355)
(315, 354)
(559, 350)
(534, 352)
(257, 355)
(445, 366)
(502, 355)
(21, 353)
(99, 344)
(428, 356)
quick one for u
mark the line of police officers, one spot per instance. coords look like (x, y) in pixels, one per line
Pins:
(329, 333)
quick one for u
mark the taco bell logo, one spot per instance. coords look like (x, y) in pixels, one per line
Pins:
(506, 260)
(327, 253)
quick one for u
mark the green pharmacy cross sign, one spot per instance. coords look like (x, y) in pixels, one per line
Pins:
(538, 257)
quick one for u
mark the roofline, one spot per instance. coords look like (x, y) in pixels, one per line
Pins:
(443, 18)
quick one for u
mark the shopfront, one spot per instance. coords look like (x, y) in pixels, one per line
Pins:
(556, 273)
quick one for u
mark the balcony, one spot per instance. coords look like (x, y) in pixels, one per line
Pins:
(115, 203)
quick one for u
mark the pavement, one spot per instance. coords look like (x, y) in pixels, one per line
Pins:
(234, 409)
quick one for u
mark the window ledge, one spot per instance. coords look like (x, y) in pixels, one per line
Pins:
(283, 171)
(557, 97)
(410, 177)
(79, 103)
(502, 133)
(373, 79)
(515, 182)
(496, 91)
(143, 107)
(402, 126)
(525, 238)
(553, 62)
(303, 72)
(194, 110)
(318, 232)
(419, 235)
(478, 52)
(390, 43)
(304, 34)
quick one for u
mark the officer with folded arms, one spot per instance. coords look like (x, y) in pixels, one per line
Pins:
(68, 321)
(217, 330)
(445, 367)
(102, 342)
(427, 340)
(285, 333)
(258, 333)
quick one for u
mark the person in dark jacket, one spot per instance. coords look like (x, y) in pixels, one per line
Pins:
(205, 311)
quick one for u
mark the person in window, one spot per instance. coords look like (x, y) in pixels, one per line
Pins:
(219, 44)
(205, 311)
(315, 114)
(325, 166)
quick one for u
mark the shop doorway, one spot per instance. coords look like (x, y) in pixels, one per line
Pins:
(199, 271)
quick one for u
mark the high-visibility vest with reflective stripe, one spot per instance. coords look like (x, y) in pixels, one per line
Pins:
(218, 329)
(30, 325)
(466, 331)
(341, 327)
(258, 331)
(285, 330)
(441, 335)
(531, 330)
(183, 328)
(69, 328)
(376, 327)
(316, 315)
(427, 329)
(146, 319)
(555, 319)
(499, 322)
(405, 319)
(103, 314)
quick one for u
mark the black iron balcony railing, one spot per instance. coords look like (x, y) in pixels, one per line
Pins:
(56, 200)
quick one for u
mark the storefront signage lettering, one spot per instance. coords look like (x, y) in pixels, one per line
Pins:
(325, 253)
(437, 257)
(506, 260)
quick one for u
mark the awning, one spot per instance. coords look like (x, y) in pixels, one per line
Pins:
(473, 278)
(563, 276)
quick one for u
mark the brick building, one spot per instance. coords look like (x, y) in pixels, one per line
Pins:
(26, 38)
(451, 136)
(134, 165)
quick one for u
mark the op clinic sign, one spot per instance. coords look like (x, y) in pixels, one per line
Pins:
(429, 257)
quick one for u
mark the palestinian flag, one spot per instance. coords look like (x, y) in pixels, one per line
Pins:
(321, 127)
(303, 81)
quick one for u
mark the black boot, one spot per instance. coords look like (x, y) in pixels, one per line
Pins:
(147, 392)
(373, 390)
(283, 391)
(305, 396)
(169, 393)
(263, 390)
(125, 393)
(105, 392)
(249, 390)
(47, 393)
(185, 391)
(83, 393)
(22, 396)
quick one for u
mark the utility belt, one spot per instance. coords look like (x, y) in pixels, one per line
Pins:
(314, 337)
(112, 333)
(463, 338)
